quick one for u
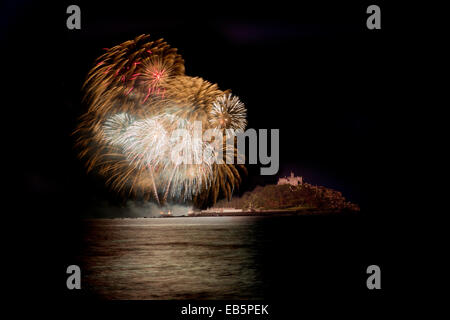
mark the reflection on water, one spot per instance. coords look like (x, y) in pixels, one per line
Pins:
(172, 258)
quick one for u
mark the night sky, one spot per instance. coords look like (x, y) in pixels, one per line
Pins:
(314, 73)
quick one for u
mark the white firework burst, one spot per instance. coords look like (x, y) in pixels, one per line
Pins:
(192, 172)
(114, 127)
(228, 113)
(145, 142)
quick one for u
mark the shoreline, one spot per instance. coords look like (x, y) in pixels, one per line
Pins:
(271, 213)
(266, 213)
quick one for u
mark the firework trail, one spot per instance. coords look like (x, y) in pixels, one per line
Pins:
(138, 96)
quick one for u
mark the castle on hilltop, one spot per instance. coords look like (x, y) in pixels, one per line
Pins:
(292, 180)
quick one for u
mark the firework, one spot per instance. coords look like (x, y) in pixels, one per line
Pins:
(144, 142)
(156, 72)
(115, 127)
(138, 96)
(228, 113)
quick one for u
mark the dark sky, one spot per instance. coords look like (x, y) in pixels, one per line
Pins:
(334, 89)
(313, 71)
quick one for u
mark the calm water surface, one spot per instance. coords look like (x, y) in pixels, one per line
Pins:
(172, 258)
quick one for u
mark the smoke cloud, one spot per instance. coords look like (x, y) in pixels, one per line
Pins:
(136, 209)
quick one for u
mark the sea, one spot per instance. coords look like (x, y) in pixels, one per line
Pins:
(173, 258)
(226, 257)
